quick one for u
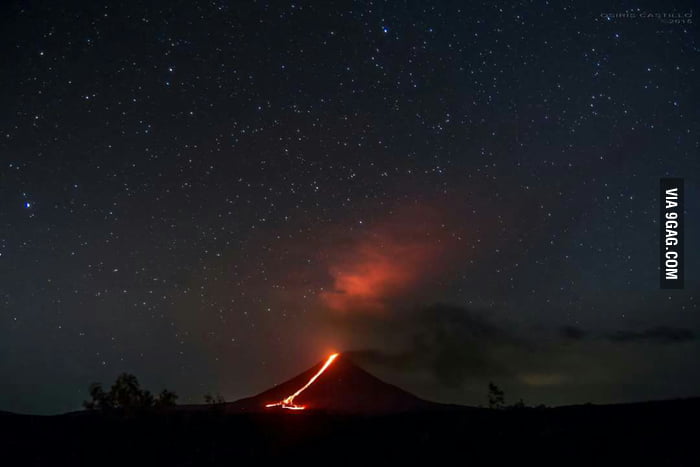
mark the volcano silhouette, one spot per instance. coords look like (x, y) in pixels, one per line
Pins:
(342, 388)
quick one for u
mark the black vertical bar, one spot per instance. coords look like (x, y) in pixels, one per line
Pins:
(671, 233)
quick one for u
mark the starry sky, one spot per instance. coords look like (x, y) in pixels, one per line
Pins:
(215, 195)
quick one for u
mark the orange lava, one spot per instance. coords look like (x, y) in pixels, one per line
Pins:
(288, 402)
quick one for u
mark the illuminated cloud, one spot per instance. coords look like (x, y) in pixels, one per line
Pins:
(385, 262)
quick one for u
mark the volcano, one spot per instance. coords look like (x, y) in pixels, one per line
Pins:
(334, 385)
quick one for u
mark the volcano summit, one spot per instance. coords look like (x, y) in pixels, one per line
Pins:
(335, 385)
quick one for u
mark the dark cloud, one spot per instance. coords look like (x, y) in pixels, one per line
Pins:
(452, 352)
(659, 334)
(451, 343)
(572, 333)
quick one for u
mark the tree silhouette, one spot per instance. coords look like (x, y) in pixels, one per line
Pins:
(210, 399)
(518, 405)
(100, 399)
(497, 398)
(166, 399)
(126, 394)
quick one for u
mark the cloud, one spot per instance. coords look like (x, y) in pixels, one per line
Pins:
(453, 344)
(387, 260)
(572, 333)
(374, 271)
(658, 334)
(543, 379)
(451, 353)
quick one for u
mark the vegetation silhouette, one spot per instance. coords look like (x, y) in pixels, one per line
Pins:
(214, 399)
(127, 395)
(216, 403)
(497, 400)
(496, 397)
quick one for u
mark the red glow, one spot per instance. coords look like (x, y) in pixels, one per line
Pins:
(288, 402)
(377, 268)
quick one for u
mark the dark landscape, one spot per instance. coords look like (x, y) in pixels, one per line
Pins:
(353, 418)
(652, 433)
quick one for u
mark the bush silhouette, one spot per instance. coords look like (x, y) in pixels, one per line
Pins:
(214, 399)
(126, 394)
(100, 399)
(166, 398)
(497, 398)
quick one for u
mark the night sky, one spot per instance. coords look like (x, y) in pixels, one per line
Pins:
(215, 195)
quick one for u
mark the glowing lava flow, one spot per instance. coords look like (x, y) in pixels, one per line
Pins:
(288, 403)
